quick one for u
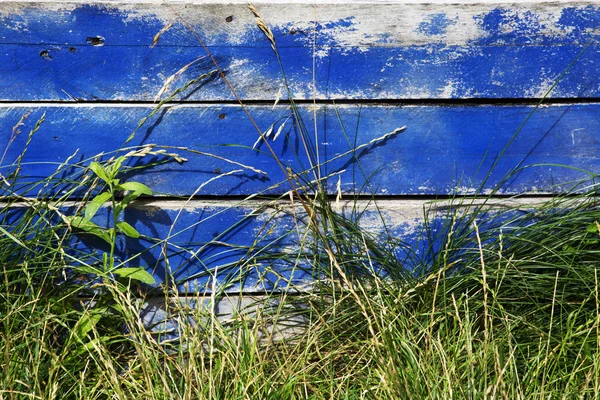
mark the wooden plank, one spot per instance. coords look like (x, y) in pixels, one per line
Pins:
(444, 150)
(204, 246)
(200, 247)
(394, 50)
(163, 316)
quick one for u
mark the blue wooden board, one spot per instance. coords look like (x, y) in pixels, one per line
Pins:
(73, 51)
(236, 246)
(200, 246)
(444, 150)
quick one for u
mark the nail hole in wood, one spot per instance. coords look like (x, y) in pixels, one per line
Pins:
(229, 19)
(221, 116)
(95, 40)
(45, 54)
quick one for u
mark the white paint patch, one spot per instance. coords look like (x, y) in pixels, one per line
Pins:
(541, 88)
(449, 90)
(348, 24)
(573, 134)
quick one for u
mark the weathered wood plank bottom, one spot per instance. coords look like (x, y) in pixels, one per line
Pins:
(201, 246)
(170, 320)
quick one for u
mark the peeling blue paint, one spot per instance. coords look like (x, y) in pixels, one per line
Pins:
(435, 25)
(45, 56)
(452, 142)
(514, 52)
(583, 24)
(514, 26)
(504, 25)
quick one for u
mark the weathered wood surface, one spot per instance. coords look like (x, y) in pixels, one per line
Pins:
(68, 51)
(444, 150)
(54, 53)
(167, 317)
(201, 246)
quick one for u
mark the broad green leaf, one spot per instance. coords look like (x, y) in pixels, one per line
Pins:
(128, 198)
(95, 204)
(88, 321)
(89, 346)
(135, 190)
(99, 171)
(89, 227)
(83, 269)
(116, 306)
(592, 228)
(136, 187)
(138, 274)
(128, 230)
(81, 223)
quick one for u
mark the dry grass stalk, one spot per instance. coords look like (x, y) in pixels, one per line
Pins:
(16, 131)
(160, 33)
(262, 25)
(172, 78)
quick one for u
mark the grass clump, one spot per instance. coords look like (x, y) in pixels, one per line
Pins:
(511, 313)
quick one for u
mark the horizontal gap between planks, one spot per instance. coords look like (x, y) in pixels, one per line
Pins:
(363, 197)
(242, 200)
(50, 45)
(343, 102)
(408, 202)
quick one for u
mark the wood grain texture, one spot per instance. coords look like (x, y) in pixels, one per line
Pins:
(444, 150)
(201, 246)
(55, 54)
(394, 50)
(163, 317)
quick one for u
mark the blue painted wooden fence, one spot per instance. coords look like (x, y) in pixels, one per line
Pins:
(461, 78)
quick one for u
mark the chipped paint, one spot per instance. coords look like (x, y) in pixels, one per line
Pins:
(429, 49)
(407, 50)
